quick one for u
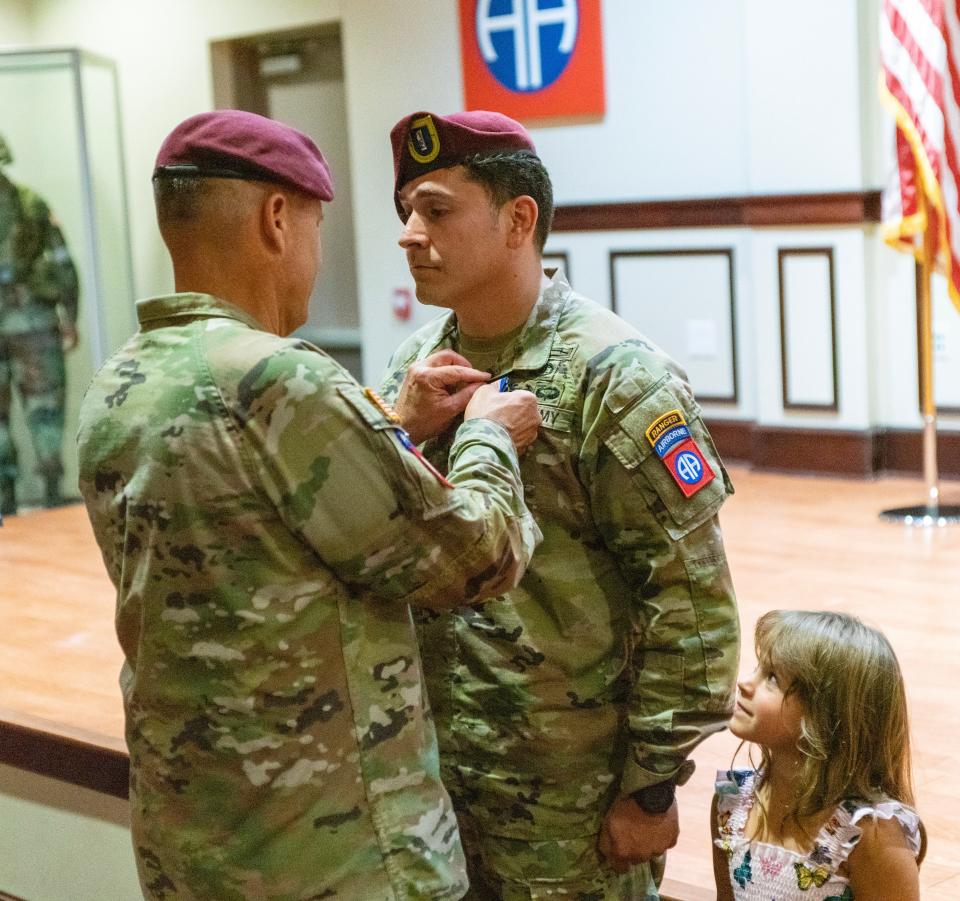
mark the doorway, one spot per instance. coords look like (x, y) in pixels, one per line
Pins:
(296, 77)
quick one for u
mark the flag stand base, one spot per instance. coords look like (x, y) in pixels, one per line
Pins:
(924, 516)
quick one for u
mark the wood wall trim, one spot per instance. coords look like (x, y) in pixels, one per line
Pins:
(103, 770)
(834, 451)
(783, 210)
(901, 450)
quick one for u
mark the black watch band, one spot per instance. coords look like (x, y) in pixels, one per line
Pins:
(656, 798)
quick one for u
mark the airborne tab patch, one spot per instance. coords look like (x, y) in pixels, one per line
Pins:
(673, 444)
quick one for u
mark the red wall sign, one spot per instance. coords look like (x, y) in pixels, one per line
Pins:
(533, 59)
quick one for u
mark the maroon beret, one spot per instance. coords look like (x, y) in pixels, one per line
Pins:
(231, 143)
(423, 142)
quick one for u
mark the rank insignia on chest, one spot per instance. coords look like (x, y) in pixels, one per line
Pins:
(673, 444)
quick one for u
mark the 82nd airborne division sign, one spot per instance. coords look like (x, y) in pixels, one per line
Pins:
(533, 59)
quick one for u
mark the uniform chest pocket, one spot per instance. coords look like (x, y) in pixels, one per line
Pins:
(695, 465)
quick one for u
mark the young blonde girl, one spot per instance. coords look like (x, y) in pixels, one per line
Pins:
(828, 813)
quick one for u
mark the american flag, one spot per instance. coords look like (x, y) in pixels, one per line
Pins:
(920, 58)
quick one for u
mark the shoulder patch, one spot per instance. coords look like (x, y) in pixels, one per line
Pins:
(404, 440)
(393, 426)
(671, 441)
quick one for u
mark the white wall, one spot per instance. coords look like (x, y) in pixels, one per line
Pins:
(15, 23)
(399, 57)
(163, 62)
(60, 841)
(747, 96)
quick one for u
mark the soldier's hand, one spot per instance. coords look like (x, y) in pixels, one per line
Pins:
(517, 410)
(434, 392)
(630, 835)
(69, 337)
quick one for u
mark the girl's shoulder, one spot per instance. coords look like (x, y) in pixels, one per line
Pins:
(845, 827)
(734, 796)
(734, 784)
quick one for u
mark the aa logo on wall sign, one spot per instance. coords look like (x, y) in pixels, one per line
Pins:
(533, 59)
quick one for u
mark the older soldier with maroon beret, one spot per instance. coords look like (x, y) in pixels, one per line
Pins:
(266, 523)
(568, 706)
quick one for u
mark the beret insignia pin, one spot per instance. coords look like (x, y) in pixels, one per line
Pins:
(423, 141)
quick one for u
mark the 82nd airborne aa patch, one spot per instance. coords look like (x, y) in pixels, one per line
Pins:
(672, 443)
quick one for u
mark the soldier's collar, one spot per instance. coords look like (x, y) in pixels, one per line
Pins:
(190, 305)
(536, 339)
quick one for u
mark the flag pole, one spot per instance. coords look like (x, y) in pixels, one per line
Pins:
(931, 513)
(928, 403)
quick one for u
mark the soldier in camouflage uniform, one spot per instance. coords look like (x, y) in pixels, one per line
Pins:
(266, 523)
(38, 314)
(566, 708)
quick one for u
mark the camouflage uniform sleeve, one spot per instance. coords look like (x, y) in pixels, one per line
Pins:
(345, 480)
(53, 277)
(670, 551)
(395, 373)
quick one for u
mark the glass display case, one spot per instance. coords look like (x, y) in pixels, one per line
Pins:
(60, 116)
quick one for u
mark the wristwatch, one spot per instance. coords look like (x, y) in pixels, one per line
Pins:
(655, 798)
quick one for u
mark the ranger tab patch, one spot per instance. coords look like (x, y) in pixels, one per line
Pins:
(673, 444)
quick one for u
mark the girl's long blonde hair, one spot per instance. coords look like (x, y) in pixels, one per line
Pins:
(855, 736)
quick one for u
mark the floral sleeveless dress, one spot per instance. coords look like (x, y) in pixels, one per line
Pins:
(764, 872)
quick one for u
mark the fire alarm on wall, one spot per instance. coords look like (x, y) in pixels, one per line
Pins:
(402, 304)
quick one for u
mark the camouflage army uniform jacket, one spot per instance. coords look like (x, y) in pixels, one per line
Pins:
(266, 528)
(38, 281)
(618, 651)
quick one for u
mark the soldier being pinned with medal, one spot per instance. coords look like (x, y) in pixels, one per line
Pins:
(566, 708)
(38, 315)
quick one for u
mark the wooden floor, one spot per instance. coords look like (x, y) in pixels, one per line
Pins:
(792, 541)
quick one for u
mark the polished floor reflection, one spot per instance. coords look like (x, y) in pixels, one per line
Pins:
(793, 541)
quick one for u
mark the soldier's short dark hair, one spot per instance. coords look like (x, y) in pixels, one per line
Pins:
(515, 174)
(180, 199)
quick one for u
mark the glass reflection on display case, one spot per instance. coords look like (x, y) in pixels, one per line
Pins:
(60, 120)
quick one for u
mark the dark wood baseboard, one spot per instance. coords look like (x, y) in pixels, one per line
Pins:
(101, 769)
(836, 208)
(832, 451)
(900, 450)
